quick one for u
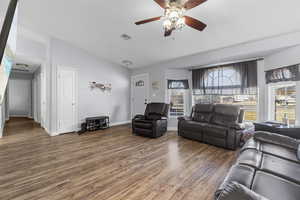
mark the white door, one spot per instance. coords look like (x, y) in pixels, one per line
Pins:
(139, 98)
(66, 100)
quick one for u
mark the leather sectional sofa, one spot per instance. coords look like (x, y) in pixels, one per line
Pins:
(268, 167)
(216, 124)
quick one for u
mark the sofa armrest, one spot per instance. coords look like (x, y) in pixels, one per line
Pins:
(236, 191)
(277, 139)
(139, 117)
(184, 118)
(237, 126)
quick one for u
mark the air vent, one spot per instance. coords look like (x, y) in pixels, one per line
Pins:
(20, 70)
(125, 37)
(127, 62)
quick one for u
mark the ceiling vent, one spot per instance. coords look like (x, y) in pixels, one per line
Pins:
(127, 63)
(125, 37)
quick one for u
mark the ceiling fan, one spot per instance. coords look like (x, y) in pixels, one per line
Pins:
(174, 18)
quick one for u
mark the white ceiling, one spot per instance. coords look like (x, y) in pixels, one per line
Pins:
(96, 26)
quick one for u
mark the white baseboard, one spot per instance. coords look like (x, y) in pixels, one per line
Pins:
(54, 134)
(172, 128)
(120, 123)
(26, 116)
(112, 124)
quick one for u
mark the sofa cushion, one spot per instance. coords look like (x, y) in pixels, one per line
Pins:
(213, 130)
(202, 112)
(284, 168)
(250, 157)
(279, 151)
(274, 187)
(143, 125)
(193, 126)
(226, 115)
(153, 116)
(156, 108)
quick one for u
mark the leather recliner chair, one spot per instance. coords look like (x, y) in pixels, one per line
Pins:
(153, 123)
(216, 124)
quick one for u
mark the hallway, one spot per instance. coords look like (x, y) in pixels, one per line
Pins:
(20, 128)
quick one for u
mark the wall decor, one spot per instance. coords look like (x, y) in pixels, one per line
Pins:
(101, 86)
(155, 85)
(139, 83)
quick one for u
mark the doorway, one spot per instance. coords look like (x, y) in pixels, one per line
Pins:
(139, 93)
(24, 91)
(67, 114)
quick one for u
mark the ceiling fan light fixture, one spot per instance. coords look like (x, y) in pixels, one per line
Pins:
(174, 17)
(180, 23)
(167, 24)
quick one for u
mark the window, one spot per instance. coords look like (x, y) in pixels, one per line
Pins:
(283, 103)
(247, 102)
(177, 102)
(230, 84)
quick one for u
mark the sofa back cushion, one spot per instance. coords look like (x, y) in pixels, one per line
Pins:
(155, 111)
(226, 115)
(202, 112)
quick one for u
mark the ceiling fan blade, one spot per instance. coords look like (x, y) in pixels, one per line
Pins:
(148, 20)
(193, 3)
(194, 23)
(168, 32)
(161, 3)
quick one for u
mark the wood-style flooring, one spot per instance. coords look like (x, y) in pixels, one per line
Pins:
(107, 165)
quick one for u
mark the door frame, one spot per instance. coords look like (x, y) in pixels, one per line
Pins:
(76, 117)
(132, 89)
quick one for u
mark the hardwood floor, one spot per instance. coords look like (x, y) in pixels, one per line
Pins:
(107, 165)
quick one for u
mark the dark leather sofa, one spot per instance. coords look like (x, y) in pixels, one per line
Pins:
(153, 123)
(268, 167)
(219, 125)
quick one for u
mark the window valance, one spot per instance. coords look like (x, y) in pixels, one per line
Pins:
(178, 84)
(238, 78)
(290, 73)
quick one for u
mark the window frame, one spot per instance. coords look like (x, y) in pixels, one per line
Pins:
(271, 95)
(185, 103)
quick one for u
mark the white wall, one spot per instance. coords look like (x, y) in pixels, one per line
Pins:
(90, 68)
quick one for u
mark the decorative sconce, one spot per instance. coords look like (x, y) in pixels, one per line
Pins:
(104, 87)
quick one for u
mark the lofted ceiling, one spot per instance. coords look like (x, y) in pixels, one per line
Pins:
(96, 26)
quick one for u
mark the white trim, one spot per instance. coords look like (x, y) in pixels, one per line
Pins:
(27, 116)
(132, 87)
(111, 125)
(120, 123)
